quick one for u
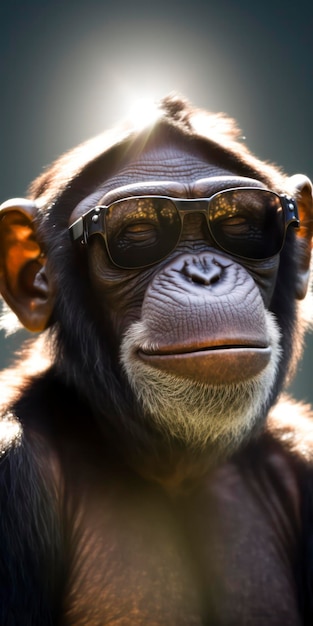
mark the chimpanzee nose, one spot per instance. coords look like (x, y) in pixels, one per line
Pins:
(203, 269)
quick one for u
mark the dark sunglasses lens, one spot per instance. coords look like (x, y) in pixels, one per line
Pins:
(141, 231)
(248, 223)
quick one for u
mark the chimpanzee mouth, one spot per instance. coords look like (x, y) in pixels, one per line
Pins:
(217, 364)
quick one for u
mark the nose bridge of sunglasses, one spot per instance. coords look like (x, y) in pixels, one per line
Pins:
(194, 222)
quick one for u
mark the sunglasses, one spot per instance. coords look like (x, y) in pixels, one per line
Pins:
(139, 231)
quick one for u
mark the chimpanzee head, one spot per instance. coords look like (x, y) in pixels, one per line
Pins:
(168, 264)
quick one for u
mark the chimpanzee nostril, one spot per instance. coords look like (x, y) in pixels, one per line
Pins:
(203, 270)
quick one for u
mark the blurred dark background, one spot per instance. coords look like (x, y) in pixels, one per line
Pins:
(69, 69)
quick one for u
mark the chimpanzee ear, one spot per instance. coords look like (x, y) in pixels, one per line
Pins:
(23, 277)
(301, 188)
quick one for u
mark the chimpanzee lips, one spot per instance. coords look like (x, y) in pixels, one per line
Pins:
(216, 365)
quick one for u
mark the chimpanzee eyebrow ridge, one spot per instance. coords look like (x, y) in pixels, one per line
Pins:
(203, 187)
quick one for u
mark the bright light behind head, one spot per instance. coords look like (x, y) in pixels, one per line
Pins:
(143, 112)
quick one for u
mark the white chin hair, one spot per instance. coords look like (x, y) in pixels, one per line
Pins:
(198, 414)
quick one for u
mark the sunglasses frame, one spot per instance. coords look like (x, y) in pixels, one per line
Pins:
(93, 221)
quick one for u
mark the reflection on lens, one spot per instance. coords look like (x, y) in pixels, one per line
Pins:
(247, 223)
(141, 231)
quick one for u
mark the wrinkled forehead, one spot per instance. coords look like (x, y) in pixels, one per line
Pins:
(183, 163)
(167, 159)
(177, 157)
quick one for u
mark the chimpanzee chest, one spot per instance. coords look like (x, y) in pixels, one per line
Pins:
(215, 557)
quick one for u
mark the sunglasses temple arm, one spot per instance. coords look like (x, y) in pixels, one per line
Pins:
(86, 225)
(291, 211)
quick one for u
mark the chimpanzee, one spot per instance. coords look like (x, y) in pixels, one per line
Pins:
(153, 471)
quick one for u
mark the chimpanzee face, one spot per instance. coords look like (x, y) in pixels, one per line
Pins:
(195, 334)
